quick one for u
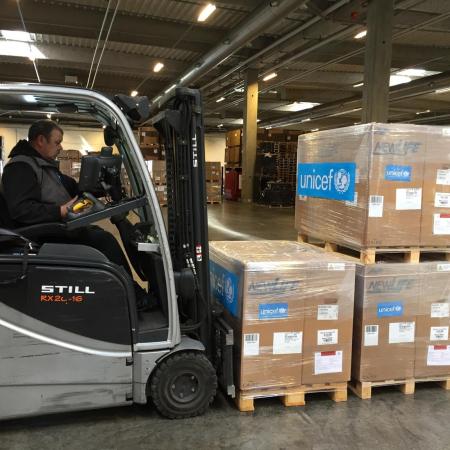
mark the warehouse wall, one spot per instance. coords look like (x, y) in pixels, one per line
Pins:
(81, 139)
(215, 147)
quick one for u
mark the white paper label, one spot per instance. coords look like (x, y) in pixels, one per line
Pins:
(406, 199)
(251, 344)
(302, 198)
(441, 223)
(439, 334)
(327, 362)
(445, 131)
(438, 355)
(401, 332)
(443, 177)
(443, 267)
(442, 200)
(327, 312)
(353, 202)
(357, 176)
(440, 310)
(376, 206)
(336, 266)
(287, 342)
(371, 335)
(327, 337)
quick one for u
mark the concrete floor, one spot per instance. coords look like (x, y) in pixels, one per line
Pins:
(390, 420)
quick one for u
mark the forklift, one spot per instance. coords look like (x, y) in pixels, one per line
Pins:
(71, 335)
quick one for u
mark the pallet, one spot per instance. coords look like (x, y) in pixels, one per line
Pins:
(369, 255)
(290, 396)
(209, 202)
(363, 389)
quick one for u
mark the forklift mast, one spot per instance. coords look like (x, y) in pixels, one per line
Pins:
(180, 125)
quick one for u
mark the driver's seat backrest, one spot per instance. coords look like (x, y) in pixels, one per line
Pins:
(5, 219)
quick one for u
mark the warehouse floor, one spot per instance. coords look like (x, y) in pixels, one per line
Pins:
(390, 420)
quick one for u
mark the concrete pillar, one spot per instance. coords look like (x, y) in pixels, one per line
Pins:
(377, 61)
(249, 134)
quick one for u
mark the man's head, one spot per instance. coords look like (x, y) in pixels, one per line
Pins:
(45, 136)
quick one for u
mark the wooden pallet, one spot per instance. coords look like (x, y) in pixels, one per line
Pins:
(290, 396)
(369, 255)
(209, 202)
(364, 389)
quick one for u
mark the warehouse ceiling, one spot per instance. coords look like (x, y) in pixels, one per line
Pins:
(309, 44)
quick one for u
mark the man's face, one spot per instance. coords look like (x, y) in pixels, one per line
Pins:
(50, 148)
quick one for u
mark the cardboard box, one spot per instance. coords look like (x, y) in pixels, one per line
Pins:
(233, 138)
(361, 186)
(387, 298)
(435, 229)
(433, 322)
(272, 291)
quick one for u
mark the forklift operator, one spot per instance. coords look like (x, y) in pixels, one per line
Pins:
(37, 192)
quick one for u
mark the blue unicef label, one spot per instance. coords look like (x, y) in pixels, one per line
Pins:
(273, 311)
(390, 309)
(397, 173)
(224, 286)
(327, 180)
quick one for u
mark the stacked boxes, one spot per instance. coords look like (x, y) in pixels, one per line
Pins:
(149, 143)
(401, 321)
(158, 174)
(70, 163)
(213, 176)
(291, 308)
(233, 148)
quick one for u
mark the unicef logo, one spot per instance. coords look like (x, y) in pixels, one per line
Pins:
(229, 291)
(342, 180)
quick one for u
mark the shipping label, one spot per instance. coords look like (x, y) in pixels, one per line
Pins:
(251, 344)
(390, 309)
(408, 199)
(267, 311)
(335, 181)
(443, 267)
(327, 312)
(376, 205)
(438, 333)
(438, 355)
(441, 224)
(327, 362)
(439, 310)
(371, 335)
(401, 332)
(224, 286)
(442, 200)
(327, 337)
(443, 177)
(336, 266)
(397, 173)
(286, 343)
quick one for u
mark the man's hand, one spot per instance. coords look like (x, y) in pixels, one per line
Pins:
(65, 208)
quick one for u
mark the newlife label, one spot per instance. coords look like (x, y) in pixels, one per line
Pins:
(267, 311)
(335, 181)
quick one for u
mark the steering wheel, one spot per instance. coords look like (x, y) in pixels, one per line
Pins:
(86, 204)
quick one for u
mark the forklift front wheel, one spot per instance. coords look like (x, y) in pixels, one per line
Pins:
(183, 385)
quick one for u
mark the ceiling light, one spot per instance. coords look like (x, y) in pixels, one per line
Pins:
(258, 120)
(49, 115)
(361, 34)
(221, 99)
(270, 76)
(134, 93)
(220, 125)
(240, 90)
(394, 80)
(423, 112)
(296, 106)
(442, 91)
(171, 87)
(21, 36)
(206, 12)
(315, 129)
(273, 92)
(358, 85)
(104, 126)
(308, 119)
(412, 72)
(158, 66)
(30, 98)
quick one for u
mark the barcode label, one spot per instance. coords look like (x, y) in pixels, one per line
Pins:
(401, 332)
(439, 334)
(371, 335)
(251, 344)
(286, 343)
(327, 337)
(376, 206)
(408, 199)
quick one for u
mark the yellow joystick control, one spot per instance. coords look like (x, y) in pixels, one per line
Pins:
(82, 204)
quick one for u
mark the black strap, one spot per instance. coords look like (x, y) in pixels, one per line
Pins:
(9, 237)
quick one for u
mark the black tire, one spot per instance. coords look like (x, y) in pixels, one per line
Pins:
(183, 385)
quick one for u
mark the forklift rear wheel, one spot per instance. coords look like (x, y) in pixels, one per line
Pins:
(183, 385)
